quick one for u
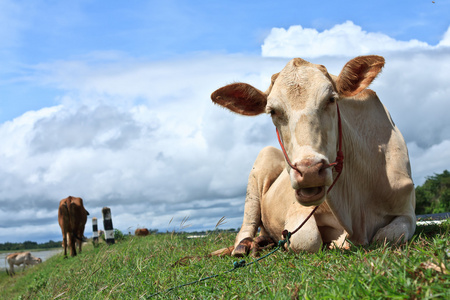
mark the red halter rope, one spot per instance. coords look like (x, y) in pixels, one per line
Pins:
(338, 164)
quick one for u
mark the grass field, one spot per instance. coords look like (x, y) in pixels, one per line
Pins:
(136, 268)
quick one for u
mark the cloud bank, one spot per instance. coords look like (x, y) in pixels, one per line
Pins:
(345, 39)
(143, 138)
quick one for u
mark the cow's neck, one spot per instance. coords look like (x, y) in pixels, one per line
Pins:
(358, 170)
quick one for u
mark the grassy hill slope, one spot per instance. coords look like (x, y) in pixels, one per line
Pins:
(136, 268)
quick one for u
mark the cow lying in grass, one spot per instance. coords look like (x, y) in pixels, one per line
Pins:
(317, 115)
(19, 258)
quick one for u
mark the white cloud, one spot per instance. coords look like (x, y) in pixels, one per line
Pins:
(153, 153)
(414, 87)
(427, 162)
(345, 39)
(445, 39)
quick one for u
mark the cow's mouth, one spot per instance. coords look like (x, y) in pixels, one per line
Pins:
(310, 195)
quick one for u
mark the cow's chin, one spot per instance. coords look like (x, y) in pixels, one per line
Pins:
(311, 195)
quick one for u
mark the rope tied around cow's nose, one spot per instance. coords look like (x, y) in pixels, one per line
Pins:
(339, 162)
(338, 165)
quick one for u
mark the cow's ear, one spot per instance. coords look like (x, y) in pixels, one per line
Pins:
(357, 74)
(241, 98)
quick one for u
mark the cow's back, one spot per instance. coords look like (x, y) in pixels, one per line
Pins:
(12, 257)
(77, 212)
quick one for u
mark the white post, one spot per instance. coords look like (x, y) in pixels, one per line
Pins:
(108, 225)
(95, 230)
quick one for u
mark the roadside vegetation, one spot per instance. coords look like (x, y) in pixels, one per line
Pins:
(433, 196)
(138, 267)
(28, 245)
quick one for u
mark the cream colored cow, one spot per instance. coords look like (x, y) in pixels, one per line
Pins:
(19, 258)
(373, 200)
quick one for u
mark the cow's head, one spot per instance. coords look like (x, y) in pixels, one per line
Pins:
(35, 260)
(301, 101)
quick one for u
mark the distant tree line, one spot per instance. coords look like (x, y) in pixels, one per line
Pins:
(27, 245)
(433, 196)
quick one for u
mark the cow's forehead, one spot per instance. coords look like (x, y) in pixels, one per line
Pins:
(299, 82)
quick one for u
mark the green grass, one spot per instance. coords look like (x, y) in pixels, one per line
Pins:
(139, 267)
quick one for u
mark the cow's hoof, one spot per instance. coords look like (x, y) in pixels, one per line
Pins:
(243, 248)
(240, 251)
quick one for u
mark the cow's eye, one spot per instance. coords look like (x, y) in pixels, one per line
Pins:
(270, 111)
(334, 97)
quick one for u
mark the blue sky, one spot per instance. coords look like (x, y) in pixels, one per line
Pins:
(44, 31)
(110, 100)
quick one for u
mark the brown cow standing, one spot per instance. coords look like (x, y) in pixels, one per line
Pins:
(72, 217)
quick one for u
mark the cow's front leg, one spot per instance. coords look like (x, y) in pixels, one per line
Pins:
(399, 230)
(11, 270)
(252, 220)
(307, 238)
(268, 166)
(331, 231)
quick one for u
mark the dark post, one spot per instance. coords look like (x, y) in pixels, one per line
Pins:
(95, 231)
(108, 225)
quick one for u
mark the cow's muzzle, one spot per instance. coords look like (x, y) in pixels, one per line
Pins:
(309, 179)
